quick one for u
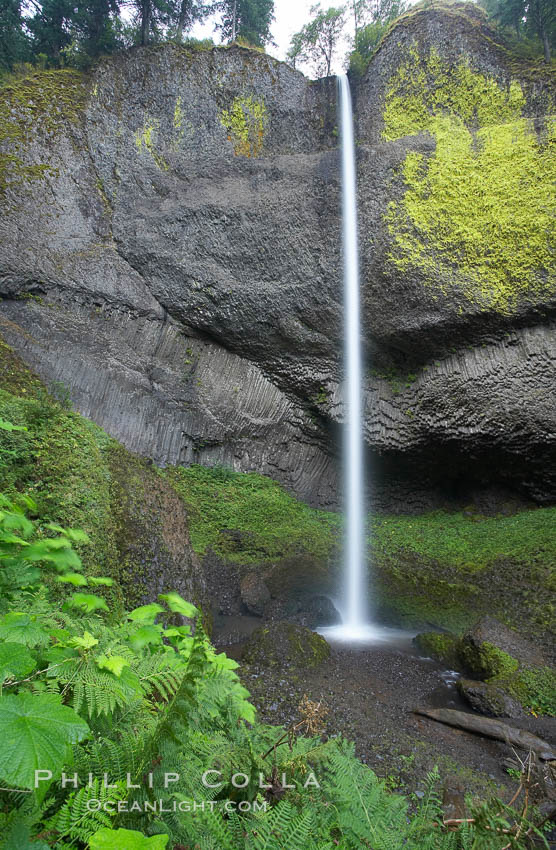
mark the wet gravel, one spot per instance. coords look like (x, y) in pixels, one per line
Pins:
(370, 693)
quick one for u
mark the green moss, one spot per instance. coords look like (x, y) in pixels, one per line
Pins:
(286, 644)
(468, 540)
(443, 647)
(145, 139)
(478, 214)
(535, 688)
(486, 661)
(274, 523)
(44, 102)
(246, 122)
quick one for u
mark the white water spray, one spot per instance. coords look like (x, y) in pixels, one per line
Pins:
(353, 440)
(355, 626)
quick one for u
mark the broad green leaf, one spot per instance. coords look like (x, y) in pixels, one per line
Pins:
(57, 655)
(114, 663)
(86, 602)
(178, 605)
(73, 578)
(97, 580)
(74, 534)
(177, 631)
(146, 613)
(223, 662)
(16, 519)
(15, 661)
(247, 711)
(55, 551)
(85, 642)
(144, 636)
(126, 839)
(9, 426)
(16, 627)
(36, 732)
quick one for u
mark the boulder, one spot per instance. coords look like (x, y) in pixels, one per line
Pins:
(491, 649)
(440, 646)
(490, 699)
(255, 595)
(285, 645)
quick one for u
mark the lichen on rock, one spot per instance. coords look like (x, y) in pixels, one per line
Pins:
(246, 122)
(478, 215)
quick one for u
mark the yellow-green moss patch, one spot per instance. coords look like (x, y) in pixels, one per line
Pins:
(246, 122)
(478, 215)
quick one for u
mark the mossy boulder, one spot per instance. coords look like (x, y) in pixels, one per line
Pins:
(440, 646)
(513, 669)
(489, 699)
(285, 645)
(491, 649)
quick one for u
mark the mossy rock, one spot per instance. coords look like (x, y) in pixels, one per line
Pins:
(285, 645)
(533, 687)
(490, 699)
(440, 646)
(486, 661)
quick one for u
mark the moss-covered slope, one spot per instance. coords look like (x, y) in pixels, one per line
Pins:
(79, 477)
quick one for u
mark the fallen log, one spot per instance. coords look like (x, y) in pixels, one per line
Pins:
(490, 728)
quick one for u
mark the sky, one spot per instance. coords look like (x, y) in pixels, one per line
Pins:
(289, 17)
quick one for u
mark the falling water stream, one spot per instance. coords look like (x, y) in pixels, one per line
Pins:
(354, 604)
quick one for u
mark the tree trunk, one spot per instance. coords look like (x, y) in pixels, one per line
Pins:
(145, 21)
(490, 728)
(182, 19)
(234, 21)
(546, 45)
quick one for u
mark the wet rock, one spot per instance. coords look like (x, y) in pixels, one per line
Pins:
(285, 645)
(320, 611)
(440, 646)
(255, 595)
(489, 699)
(491, 649)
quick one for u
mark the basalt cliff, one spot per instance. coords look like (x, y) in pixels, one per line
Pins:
(170, 253)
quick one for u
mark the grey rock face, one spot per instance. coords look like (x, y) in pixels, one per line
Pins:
(191, 295)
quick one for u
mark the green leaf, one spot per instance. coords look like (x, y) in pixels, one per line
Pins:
(96, 580)
(146, 613)
(36, 731)
(126, 839)
(85, 642)
(15, 661)
(178, 605)
(224, 663)
(74, 534)
(114, 663)
(73, 578)
(16, 627)
(55, 551)
(144, 636)
(86, 602)
(9, 426)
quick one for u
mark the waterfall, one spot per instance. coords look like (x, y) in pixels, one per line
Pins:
(354, 550)
(354, 604)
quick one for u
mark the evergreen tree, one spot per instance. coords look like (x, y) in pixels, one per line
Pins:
(14, 44)
(247, 19)
(527, 19)
(51, 27)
